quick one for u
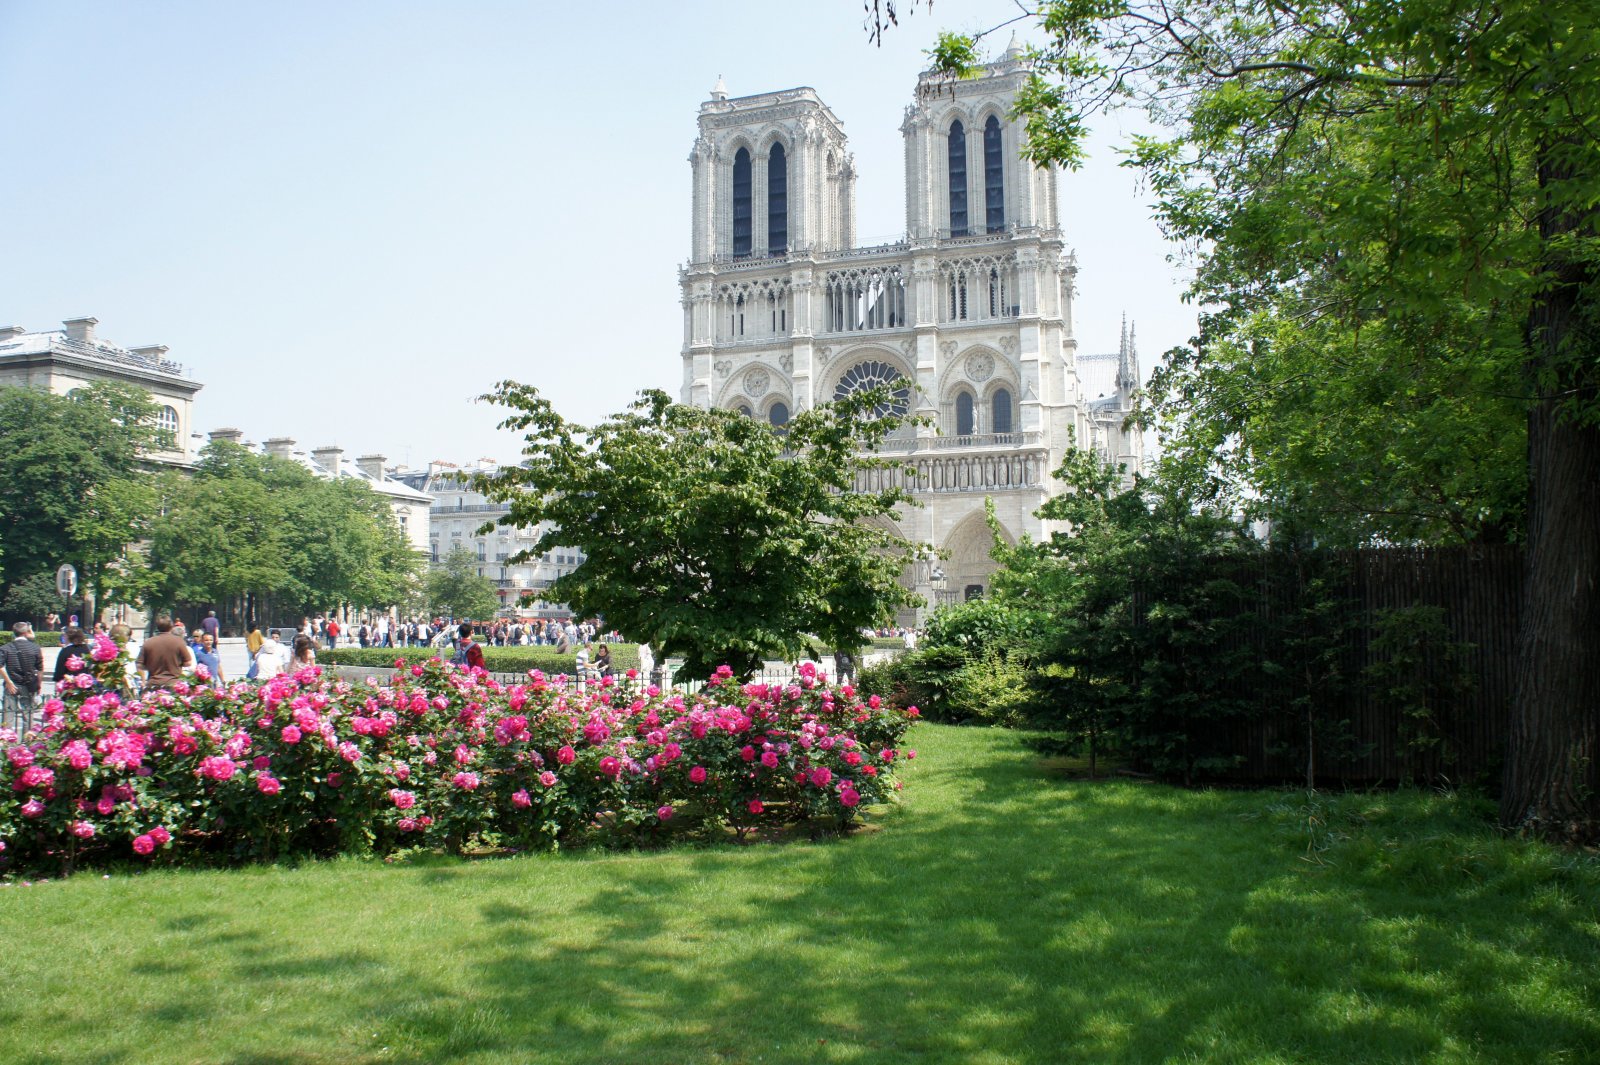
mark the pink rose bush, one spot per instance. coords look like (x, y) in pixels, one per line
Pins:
(306, 763)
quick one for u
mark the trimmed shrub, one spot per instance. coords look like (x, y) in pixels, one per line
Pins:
(624, 656)
(43, 639)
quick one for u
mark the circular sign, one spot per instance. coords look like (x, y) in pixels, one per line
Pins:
(66, 581)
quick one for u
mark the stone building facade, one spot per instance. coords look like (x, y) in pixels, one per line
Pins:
(456, 514)
(65, 359)
(967, 319)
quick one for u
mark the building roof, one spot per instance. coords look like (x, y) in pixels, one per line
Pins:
(146, 360)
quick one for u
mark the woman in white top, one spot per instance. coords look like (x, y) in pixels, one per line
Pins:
(269, 660)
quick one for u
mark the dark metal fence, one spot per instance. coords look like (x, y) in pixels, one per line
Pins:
(1366, 731)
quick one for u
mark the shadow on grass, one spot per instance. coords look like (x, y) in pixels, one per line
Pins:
(1035, 921)
(1004, 915)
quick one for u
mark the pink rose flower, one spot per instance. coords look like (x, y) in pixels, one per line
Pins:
(83, 829)
(664, 813)
(260, 762)
(268, 785)
(566, 756)
(403, 800)
(160, 835)
(756, 807)
(521, 799)
(21, 757)
(547, 778)
(769, 759)
(821, 775)
(143, 844)
(407, 825)
(335, 779)
(290, 734)
(217, 767)
(32, 808)
(849, 797)
(697, 775)
(465, 781)
(747, 753)
(78, 754)
(610, 766)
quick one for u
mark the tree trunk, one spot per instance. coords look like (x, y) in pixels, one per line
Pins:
(1552, 777)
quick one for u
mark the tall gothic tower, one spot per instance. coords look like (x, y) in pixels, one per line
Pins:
(968, 319)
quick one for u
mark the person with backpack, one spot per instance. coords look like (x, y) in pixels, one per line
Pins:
(468, 654)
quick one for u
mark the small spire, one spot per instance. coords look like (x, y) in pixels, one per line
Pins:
(719, 91)
(1014, 49)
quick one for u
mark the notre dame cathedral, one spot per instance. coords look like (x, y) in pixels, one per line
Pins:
(967, 320)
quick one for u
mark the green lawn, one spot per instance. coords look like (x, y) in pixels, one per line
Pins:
(1000, 914)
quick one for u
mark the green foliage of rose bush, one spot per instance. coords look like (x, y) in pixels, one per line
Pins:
(305, 764)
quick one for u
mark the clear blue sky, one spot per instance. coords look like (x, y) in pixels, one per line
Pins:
(349, 218)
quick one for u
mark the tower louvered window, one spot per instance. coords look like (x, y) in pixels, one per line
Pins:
(994, 177)
(777, 201)
(958, 179)
(741, 203)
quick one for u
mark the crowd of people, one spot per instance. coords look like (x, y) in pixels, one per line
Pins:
(381, 631)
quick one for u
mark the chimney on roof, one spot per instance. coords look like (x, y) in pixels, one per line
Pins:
(10, 332)
(328, 458)
(81, 329)
(227, 436)
(372, 465)
(280, 447)
(153, 352)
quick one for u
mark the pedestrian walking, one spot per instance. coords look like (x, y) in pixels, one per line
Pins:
(22, 667)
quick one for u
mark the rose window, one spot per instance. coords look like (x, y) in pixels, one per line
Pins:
(873, 374)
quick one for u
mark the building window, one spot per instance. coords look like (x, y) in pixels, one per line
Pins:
(167, 429)
(1002, 411)
(744, 408)
(777, 201)
(873, 374)
(958, 179)
(741, 203)
(964, 420)
(778, 415)
(994, 177)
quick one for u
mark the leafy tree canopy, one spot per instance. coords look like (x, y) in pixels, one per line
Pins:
(455, 590)
(68, 466)
(1395, 208)
(706, 533)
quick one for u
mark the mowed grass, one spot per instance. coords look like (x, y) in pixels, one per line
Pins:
(1000, 914)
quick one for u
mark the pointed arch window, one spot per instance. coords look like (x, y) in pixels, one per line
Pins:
(964, 419)
(778, 415)
(777, 201)
(958, 179)
(741, 203)
(994, 177)
(1001, 404)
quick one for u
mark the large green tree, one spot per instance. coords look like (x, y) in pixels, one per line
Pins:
(1391, 205)
(71, 471)
(455, 589)
(707, 533)
(264, 531)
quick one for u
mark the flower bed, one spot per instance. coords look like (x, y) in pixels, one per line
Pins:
(305, 764)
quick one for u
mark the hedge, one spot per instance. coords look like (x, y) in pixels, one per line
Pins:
(43, 639)
(624, 656)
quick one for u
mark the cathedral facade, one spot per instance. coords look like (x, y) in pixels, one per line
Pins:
(967, 320)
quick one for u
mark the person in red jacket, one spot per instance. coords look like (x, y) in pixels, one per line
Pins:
(468, 652)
